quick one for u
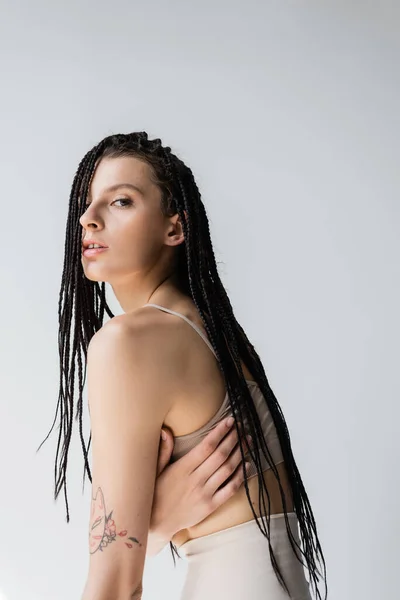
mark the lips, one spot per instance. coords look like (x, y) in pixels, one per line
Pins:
(92, 251)
(87, 243)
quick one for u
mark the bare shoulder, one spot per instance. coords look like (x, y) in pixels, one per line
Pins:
(149, 340)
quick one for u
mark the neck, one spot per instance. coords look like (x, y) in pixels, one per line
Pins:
(133, 294)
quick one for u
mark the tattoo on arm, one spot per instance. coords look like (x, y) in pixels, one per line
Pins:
(102, 529)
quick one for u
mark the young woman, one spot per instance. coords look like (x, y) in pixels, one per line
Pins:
(176, 358)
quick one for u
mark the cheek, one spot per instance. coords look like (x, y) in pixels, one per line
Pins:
(142, 237)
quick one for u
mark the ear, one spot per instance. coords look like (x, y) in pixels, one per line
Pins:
(175, 234)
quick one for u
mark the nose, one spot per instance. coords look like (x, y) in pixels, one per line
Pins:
(89, 220)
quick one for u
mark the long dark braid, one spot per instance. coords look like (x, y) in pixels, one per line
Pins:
(198, 276)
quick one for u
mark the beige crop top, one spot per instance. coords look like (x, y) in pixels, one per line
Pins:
(184, 443)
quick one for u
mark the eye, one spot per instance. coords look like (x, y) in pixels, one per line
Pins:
(127, 200)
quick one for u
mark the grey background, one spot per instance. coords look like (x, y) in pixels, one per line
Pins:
(288, 114)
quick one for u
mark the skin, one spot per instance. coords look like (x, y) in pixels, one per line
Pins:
(139, 265)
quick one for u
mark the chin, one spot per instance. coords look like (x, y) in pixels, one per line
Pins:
(92, 275)
(94, 278)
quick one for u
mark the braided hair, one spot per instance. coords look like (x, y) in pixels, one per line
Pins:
(198, 277)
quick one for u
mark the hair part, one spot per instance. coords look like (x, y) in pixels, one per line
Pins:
(82, 306)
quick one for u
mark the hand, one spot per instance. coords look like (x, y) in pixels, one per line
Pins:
(186, 491)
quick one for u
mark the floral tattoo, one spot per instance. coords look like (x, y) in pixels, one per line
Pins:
(103, 530)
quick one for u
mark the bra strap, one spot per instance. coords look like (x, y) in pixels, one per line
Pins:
(173, 312)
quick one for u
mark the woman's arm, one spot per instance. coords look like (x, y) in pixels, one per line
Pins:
(181, 499)
(128, 405)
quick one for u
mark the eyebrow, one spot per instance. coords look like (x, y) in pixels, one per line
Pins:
(116, 186)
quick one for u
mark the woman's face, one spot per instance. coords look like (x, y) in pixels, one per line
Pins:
(128, 221)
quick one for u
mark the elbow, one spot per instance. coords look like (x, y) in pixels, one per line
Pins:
(137, 594)
(121, 592)
(131, 593)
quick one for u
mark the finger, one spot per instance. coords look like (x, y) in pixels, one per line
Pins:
(226, 469)
(229, 489)
(165, 451)
(206, 447)
(219, 457)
